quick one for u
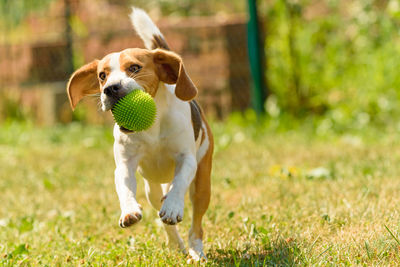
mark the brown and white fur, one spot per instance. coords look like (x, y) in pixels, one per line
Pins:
(175, 154)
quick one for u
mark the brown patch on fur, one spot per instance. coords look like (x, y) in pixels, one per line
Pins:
(171, 71)
(159, 42)
(203, 119)
(203, 136)
(209, 133)
(104, 66)
(200, 192)
(147, 76)
(83, 82)
(196, 118)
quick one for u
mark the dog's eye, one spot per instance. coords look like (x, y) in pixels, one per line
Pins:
(135, 68)
(102, 75)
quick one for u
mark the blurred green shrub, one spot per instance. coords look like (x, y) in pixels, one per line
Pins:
(11, 108)
(336, 59)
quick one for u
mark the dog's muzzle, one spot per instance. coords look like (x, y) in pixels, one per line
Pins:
(113, 91)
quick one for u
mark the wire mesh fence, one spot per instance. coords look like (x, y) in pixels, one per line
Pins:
(36, 58)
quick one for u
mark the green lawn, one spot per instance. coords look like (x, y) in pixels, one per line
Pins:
(279, 198)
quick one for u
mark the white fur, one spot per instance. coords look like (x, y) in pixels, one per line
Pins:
(116, 74)
(144, 26)
(196, 249)
(114, 61)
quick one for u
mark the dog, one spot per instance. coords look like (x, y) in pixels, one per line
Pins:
(175, 154)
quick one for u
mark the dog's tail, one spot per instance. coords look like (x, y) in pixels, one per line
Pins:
(147, 30)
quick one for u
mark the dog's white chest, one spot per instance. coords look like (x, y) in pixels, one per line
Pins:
(158, 166)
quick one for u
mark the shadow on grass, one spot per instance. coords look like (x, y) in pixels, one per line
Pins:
(277, 253)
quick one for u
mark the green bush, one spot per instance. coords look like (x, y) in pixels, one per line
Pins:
(11, 108)
(338, 59)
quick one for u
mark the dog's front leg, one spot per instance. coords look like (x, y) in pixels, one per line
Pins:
(172, 209)
(125, 183)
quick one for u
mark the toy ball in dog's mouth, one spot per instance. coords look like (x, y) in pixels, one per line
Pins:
(136, 111)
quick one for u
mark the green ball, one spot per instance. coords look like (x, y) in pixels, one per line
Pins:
(136, 111)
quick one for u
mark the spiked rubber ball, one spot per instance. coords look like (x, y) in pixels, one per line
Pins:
(136, 111)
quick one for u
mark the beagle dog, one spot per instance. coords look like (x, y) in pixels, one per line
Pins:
(175, 154)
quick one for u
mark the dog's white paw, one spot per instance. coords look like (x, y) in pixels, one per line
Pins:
(172, 210)
(196, 256)
(130, 217)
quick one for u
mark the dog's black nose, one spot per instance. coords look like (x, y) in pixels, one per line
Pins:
(112, 89)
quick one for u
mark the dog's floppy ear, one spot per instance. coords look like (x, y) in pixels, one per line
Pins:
(170, 70)
(83, 82)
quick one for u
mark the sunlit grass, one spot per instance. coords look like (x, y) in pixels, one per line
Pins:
(279, 198)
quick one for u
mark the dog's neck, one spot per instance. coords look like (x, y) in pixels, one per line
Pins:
(163, 98)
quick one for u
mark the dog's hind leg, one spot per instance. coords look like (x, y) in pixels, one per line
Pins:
(154, 194)
(200, 191)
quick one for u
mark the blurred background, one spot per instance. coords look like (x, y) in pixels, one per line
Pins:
(332, 62)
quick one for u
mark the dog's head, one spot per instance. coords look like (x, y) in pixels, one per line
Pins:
(117, 74)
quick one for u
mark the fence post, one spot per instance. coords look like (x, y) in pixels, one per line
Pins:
(255, 46)
(68, 37)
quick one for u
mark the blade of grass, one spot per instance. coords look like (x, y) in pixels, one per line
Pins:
(324, 252)
(367, 249)
(390, 232)
(313, 244)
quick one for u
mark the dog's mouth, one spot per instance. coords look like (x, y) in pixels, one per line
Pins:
(124, 130)
(113, 100)
(113, 93)
(108, 101)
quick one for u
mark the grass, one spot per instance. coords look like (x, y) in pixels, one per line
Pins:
(279, 198)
